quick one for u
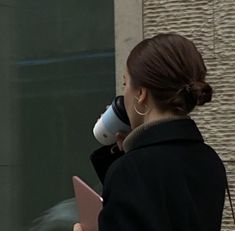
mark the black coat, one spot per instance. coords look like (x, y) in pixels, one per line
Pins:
(168, 180)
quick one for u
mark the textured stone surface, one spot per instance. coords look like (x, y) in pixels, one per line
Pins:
(193, 19)
(211, 25)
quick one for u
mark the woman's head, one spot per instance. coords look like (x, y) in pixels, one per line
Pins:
(172, 70)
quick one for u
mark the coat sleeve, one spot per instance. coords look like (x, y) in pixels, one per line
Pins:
(127, 203)
(103, 158)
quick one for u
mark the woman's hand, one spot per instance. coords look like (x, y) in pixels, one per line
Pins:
(120, 138)
(77, 227)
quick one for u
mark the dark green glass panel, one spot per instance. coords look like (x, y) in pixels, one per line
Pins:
(57, 76)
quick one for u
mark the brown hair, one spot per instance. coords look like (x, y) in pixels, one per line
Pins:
(171, 67)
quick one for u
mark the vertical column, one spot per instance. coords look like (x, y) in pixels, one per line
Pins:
(128, 32)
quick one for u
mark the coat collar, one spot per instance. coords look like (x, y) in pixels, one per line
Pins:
(162, 131)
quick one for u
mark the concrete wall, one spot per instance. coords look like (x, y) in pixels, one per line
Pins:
(211, 25)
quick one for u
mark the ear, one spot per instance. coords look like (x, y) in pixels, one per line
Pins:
(142, 95)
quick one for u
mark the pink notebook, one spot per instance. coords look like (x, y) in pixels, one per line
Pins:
(89, 204)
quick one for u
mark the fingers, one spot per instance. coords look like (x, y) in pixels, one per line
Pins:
(77, 227)
(120, 138)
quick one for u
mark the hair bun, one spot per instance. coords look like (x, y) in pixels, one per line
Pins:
(202, 91)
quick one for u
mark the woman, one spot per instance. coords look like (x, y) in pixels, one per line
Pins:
(163, 177)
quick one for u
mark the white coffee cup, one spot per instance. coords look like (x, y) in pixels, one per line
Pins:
(113, 120)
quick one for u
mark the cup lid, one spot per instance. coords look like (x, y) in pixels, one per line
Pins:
(119, 108)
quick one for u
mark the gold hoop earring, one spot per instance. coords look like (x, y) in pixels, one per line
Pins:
(141, 113)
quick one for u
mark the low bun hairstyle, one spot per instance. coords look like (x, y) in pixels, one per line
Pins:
(172, 68)
(202, 91)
